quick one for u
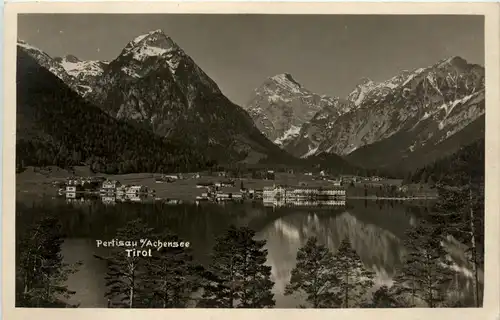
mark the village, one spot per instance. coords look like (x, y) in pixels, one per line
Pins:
(268, 186)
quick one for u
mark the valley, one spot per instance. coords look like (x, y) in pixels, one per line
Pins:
(155, 88)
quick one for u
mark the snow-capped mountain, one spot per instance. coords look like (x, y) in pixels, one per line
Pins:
(46, 61)
(78, 75)
(313, 133)
(367, 89)
(390, 121)
(84, 73)
(281, 105)
(56, 126)
(156, 85)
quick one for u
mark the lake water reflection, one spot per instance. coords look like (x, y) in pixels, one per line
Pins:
(376, 231)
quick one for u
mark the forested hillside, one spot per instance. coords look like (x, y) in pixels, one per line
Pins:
(456, 169)
(55, 126)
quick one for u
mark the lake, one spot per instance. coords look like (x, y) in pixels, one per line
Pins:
(376, 231)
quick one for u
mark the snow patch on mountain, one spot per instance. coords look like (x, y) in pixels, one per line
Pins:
(281, 105)
(144, 52)
(88, 68)
(142, 36)
(274, 98)
(311, 152)
(286, 81)
(291, 133)
(128, 71)
(413, 75)
(84, 89)
(27, 46)
(361, 91)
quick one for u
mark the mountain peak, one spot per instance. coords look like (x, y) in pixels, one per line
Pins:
(365, 81)
(285, 79)
(154, 39)
(71, 58)
(455, 61)
(157, 32)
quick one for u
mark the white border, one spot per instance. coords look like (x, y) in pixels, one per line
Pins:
(492, 28)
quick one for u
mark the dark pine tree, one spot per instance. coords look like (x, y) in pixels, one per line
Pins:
(384, 298)
(354, 279)
(314, 276)
(125, 276)
(41, 272)
(171, 276)
(237, 276)
(460, 213)
(425, 272)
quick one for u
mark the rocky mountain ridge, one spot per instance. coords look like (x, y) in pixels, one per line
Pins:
(281, 105)
(154, 85)
(77, 74)
(411, 111)
(84, 73)
(56, 126)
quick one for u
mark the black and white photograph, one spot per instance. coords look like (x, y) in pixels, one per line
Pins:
(258, 161)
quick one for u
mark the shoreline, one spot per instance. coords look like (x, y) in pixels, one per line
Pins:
(188, 198)
(392, 198)
(186, 189)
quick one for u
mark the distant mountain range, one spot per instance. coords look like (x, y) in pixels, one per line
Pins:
(154, 88)
(405, 122)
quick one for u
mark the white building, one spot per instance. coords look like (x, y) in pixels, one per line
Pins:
(136, 190)
(273, 192)
(110, 186)
(121, 190)
(300, 193)
(108, 200)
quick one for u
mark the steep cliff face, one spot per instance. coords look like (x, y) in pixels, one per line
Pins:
(281, 105)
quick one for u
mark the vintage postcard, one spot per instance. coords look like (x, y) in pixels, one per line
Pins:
(275, 157)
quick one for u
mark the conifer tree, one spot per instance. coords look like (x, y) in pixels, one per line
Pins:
(426, 270)
(125, 276)
(313, 275)
(354, 279)
(41, 272)
(171, 276)
(237, 276)
(383, 297)
(460, 212)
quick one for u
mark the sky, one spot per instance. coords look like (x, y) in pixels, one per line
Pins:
(327, 54)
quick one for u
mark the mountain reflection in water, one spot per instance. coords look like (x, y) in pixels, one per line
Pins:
(380, 249)
(376, 231)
